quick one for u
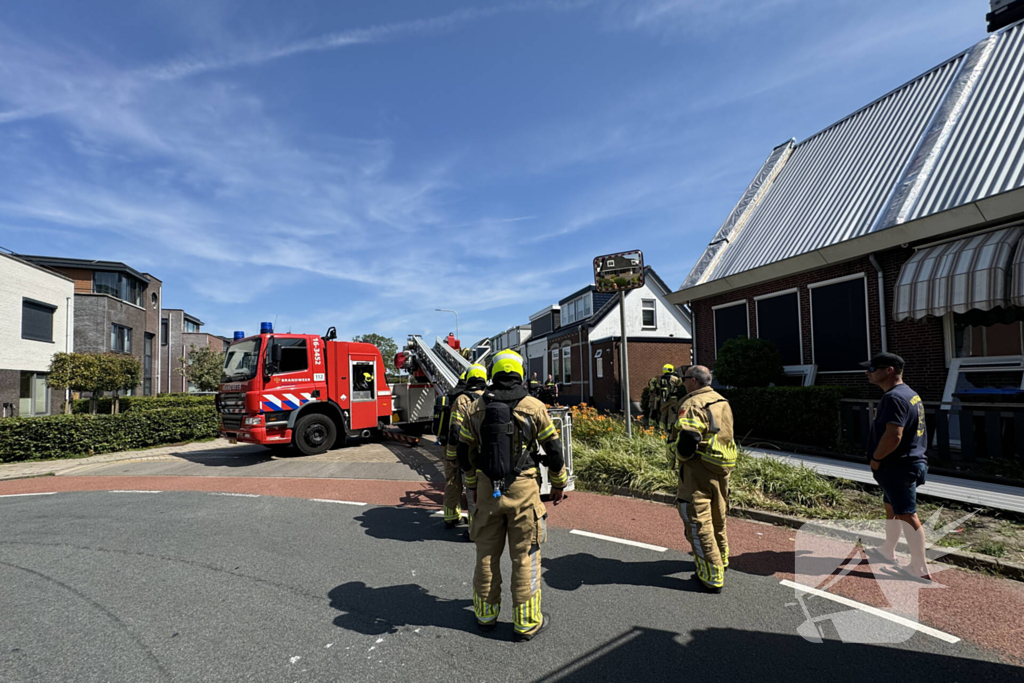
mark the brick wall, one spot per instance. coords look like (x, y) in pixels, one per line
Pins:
(919, 342)
(646, 359)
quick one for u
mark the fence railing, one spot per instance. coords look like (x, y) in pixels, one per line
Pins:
(960, 431)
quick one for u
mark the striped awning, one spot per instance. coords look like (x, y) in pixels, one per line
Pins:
(957, 276)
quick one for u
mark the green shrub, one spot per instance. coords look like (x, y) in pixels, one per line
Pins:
(797, 415)
(68, 436)
(744, 362)
(158, 402)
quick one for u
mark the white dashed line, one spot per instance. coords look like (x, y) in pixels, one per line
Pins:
(624, 541)
(18, 495)
(132, 491)
(909, 623)
(342, 502)
(239, 495)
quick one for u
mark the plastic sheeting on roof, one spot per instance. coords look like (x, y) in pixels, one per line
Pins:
(952, 136)
(957, 276)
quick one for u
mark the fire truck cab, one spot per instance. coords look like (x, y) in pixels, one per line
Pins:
(303, 390)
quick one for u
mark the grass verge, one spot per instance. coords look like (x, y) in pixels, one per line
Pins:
(604, 459)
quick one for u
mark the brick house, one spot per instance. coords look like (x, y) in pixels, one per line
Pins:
(580, 342)
(37, 306)
(179, 331)
(895, 229)
(116, 309)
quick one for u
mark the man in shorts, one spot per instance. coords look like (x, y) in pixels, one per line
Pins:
(899, 462)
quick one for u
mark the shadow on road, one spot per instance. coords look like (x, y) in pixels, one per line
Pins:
(227, 457)
(408, 524)
(374, 611)
(569, 572)
(419, 460)
(722, 654)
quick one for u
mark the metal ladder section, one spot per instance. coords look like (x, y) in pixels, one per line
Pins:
(456, 363)
(436, 370)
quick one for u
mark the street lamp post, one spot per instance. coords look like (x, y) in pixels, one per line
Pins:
(448, 310)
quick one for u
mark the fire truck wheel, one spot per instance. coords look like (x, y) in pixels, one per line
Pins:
(314, 434)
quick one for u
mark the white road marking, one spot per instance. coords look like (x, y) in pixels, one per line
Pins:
(909, 623)
(343, 502)
(624, 541)
(240, 495)
(18, 495)
(132, 491)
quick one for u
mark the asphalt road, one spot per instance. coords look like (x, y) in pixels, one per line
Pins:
(191, 586)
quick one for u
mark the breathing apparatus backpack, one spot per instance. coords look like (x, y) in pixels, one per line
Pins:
(665, 387)
(498, 457)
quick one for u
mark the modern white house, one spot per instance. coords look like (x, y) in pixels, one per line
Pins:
(37, 313)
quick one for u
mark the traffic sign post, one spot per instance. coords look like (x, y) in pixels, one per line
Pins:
(620, 273)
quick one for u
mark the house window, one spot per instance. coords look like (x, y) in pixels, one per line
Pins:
(599, 362)
(568, 313)
(37, 320)
(778, 321)
(586, 306)
(163, 333)
(731, 321)
(191, 326)
(119, 285)
(978, 334)
(839, 324)
(567, 365)
(120, 338)
(648, 307)
(154, 301)
(556, 366)
(33, 398)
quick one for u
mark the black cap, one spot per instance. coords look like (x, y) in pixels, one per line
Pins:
(884, 360)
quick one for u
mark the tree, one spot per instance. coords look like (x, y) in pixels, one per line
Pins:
(388, 349)
(66, 372)
(203, 367)
(744, 362)
(118, 372)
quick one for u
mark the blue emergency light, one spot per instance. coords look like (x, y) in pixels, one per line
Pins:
(266, 328)
(239, 334)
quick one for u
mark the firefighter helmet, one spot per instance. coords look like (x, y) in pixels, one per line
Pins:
(507, 361)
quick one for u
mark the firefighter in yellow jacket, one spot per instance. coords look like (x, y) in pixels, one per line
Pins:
(498, 452)
(475, 381)
(668, 397)
(706, 453)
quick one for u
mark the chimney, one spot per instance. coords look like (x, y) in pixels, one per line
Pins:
(1004, 13)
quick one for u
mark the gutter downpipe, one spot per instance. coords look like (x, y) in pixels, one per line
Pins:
(67, 344)
(881, 301)
(693, 333)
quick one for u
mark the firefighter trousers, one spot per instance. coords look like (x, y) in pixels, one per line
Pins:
(703, 501)
(668, 413)
(520, 517)
(452, 490)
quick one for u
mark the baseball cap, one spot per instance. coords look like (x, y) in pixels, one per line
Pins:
(884, 360)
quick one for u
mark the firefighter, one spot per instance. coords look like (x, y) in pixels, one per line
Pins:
(650, 410)
(706, 454)
(533, 385)
(668, 397)
(549, 392)
(473, 380)
(498, 452)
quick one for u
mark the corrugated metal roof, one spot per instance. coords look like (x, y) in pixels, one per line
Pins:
(949, 137)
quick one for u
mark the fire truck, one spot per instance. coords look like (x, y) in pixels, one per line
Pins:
(313, 392)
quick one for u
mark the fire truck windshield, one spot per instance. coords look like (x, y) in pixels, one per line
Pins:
(242, 360)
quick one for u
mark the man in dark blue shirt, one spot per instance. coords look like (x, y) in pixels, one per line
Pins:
(897, 452)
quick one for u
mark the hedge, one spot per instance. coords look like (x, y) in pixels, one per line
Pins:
(807, 416)
(159, 402)
(69, 436)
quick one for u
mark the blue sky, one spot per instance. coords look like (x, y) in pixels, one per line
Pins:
(360, 164)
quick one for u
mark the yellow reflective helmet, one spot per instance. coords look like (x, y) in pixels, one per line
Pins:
(462, 376)
(668, 367)
(476, 371)
(507, 361)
